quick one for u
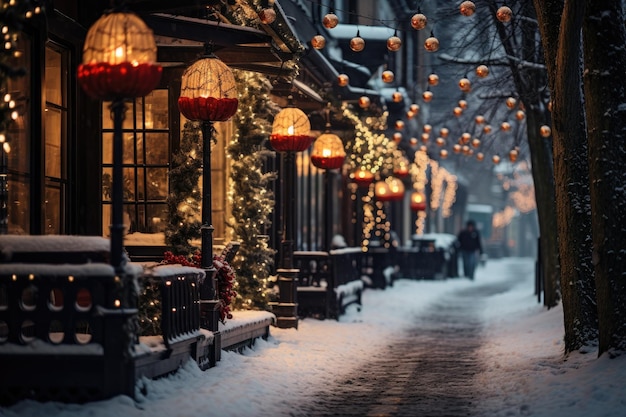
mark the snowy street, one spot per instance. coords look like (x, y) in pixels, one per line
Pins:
(420, 348)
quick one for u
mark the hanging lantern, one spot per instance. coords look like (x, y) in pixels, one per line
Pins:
(397, 137)
(413, 141)
(510, 102)
(357, 44)
(456, 148)
(457, 111)
(505, 126)
(480, 119)
(318, 42)
(440, 141)
(401, 169)
(363, 177)
(387, 76)
(399, 125)
(431, 44)
(480, 156)
(443, 154)
(267, 16)
(545, 131)
(425, 137)
(208, 91)
(410, 114)
(487, 129)
(427, 96)
(391, 189)
(495, 159)
(513, 153)
(465, 138)
(463, 104)
(364, 102)
(415, 108)
(467, 151)
(520, 115)
(482, 71)
(476, 142)
(343, 80)
(465, 85)
(427, 128)
(394, 43)
(291, 131)
(397, 96)
(419, 21)
(444, 132)
(433, 79)
(328, 152)
(330, 20)
(504, 14)
(119, 58)
(467, 8)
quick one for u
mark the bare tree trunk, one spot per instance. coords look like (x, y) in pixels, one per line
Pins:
(560, 26)
(605, 96)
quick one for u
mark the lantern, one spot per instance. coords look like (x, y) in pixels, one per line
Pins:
(387, 76)
(267, 16)
(510, 102)
(291, 131)
(343, 80)
(391, 189)
(394, 43)
(431, 44)
(357, 44)
(465, 85)
(504, 14)
(467, 8)
(482, 71)
(208, 91)
(427, 96)
(364, 102)
(330, 20)
(363, 177)
(419, 21)
(318, 42)
(401, 170)
(433, 79)
(119, 58)
(545, 131)
(328, 151)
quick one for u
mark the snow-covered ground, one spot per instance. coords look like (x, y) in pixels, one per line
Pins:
(523, 354)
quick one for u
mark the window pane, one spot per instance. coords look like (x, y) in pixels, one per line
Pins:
(157, 218)
(19, 206)
(54, 129)
(157, 116)
(53, 210)
(54, 91)
(107, 148)
(157, 148)
(157, 183)
(107, 184)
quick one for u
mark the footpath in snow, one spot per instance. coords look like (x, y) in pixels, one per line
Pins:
(522, 367)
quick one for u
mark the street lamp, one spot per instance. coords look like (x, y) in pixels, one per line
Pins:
(119, 62)
(291, 133)
(208, 94)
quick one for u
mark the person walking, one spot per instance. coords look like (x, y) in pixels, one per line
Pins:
(468, 242)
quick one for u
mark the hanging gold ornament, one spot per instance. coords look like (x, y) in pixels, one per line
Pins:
(343, 80)
(425, 137)
(482, 71)
(318, 42)
(364, 102)
(487, 129)
(431, 44)
(495, 159)
(504, 14)
(463, 104)
(267, 16)
(505, 126)
(387, 76)
(480, 156)
(413, 141)
(480, 119)
(330, 21)
(415, 108)
(457, 111)
(545, 131)
(476, 142)
(467, 151)
(427, 96)
(467, 8)
(397, 97)
(419, 21)
(427, 128)
(511, 102)
(397, 137)
(444, 132)
(465, 85)
(513, 153)
(394, 43)
(433, 79)
(520, 115)
(456, 148)
(410, 114)
(465, 138)
(443, 154)
(399, 124)
(357, 44)
(440, 141)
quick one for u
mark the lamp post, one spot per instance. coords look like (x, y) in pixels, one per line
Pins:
(291, 133)
(328, 154)
(208, 94)
(119, 62)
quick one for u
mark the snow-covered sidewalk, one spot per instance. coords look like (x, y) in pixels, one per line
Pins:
(523, 354)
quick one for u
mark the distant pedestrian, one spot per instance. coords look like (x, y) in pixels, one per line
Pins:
(470, 247)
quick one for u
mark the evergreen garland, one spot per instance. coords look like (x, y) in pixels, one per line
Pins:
(252, 200)
(184, 202)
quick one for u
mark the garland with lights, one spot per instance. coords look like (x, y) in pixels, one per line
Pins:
(251, 200)
(185, 199)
